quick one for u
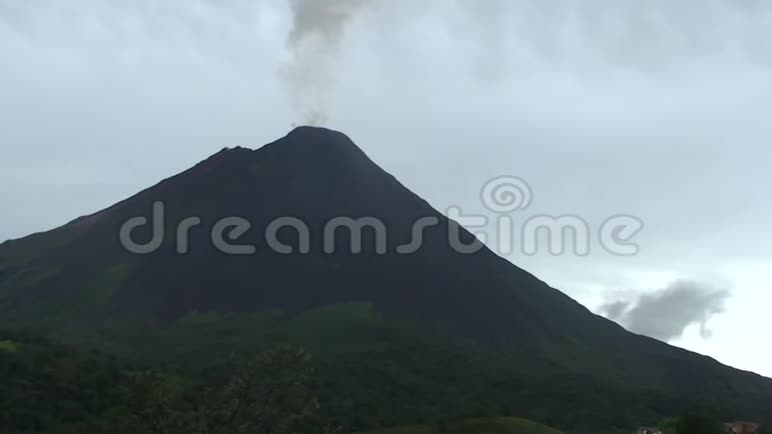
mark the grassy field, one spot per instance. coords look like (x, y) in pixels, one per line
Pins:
(476, 426)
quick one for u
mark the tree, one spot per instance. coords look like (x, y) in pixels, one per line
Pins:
(695, 423)
(269, 393)
(156, 404)
(669, 425)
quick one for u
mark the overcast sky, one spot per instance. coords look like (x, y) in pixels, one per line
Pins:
(656, 109)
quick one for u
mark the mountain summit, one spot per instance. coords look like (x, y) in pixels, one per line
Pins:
(82, 276)
(313, 175)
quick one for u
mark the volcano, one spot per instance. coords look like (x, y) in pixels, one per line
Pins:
(540, 350)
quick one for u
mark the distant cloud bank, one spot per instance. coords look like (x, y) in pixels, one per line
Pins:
(666, 313)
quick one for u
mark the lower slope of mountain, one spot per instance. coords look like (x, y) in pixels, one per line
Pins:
(401, 338)
(475, 426)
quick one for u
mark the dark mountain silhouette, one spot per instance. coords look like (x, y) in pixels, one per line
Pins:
(80, 274)
(315, 175)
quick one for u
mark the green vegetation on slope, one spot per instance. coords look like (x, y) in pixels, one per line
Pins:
(475, 426)
(8, 346)
(374, 372)
(47, 388)
(52, 388)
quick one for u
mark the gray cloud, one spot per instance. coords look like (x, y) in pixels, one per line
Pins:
(317, 29)
(666, 313)
(615, 310)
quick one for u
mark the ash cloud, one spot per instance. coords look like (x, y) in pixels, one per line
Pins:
(317, 29)
(667, 313)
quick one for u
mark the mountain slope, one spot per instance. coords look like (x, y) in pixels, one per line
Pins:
(80, 277)
(312, 174)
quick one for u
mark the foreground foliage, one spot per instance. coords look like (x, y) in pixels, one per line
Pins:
(474, 426)
(46, 388)
(367, 374)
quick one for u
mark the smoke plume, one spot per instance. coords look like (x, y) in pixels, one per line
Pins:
(667, 313)
(317, 29)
